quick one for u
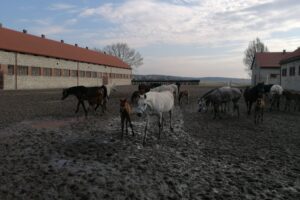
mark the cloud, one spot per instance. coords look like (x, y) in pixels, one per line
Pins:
(61, 6)
(188, 22)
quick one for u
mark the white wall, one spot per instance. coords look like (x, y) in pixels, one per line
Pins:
(291, 82)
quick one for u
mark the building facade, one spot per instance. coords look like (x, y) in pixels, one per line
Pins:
(32, 62)
(266, 68)
(290, 71)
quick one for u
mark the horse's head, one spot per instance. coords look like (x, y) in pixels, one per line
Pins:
(65, 94)
(135, 97)
(122, 105)
(202, 105)
(141, 105)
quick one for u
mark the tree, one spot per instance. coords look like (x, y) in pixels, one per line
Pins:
(122, 51)
(254, 46)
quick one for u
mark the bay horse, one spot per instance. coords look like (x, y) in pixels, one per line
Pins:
(291, 97)
(259, 110)
(184, 93)
(155, 103)
(94, 95)
(125, 112)
(251, 95)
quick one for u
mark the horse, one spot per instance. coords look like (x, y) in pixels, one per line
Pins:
(172, 88)
(275, 94)
(219, 96)
(251, 94)
(94, 95)
(259, 110)
(125, 112)
(178, 86)
(184, 93)
(144, 88)
(291, 97)
(155, 103)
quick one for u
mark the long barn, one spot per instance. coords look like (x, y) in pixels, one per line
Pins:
(34, 62)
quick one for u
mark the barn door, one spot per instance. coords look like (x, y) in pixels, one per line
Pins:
(1, 80)
(105, 79)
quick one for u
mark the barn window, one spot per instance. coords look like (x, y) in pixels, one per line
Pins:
(94, 74)
(283, 72)
(292, 71)
(57, 72)
(82, 73)
(88, 74)
(73, 73)
(11, 70)
(66, 72)
(47, 72)
(23, 70)
(35, 71)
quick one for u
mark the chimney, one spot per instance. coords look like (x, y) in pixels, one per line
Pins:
(42, 36)
(76, 45)
(62, 41)
(284, 51)
(24, 31)
(87, 47)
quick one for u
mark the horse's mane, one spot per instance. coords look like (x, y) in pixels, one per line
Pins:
(207, 93)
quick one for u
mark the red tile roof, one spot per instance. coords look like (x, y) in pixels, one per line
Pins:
(15, 41)
(269, 59)
(291, 56)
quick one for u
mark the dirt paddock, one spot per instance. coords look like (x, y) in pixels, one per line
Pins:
(49, 152)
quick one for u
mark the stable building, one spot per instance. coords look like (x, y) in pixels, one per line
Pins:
(290, 71)
(266, 67)
(34, 62)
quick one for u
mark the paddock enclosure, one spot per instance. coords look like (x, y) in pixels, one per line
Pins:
(49, 152)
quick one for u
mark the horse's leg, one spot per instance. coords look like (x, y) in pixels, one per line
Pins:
(145, 133)
(77, 109)
(122, 124)
(130, 124)
(171, 127)
(159, 124)
(85, 111)
(250, 106)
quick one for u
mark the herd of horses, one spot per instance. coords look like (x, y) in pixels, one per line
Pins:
(156, 99)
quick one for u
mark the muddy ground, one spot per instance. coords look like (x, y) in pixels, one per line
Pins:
(48, 152)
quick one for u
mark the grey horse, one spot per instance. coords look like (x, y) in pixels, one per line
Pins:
(220, 96)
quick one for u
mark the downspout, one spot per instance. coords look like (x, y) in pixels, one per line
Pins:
(15, 70)
(77, 73)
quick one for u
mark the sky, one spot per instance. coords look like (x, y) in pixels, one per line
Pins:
(195, 38)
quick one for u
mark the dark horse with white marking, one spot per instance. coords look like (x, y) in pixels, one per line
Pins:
(94, 95)
(251, 95)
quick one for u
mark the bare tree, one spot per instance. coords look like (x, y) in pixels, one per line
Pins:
(254, 46)
(122, 51)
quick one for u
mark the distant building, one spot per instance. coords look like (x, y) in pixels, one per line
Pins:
(290, 70)
(266, 68)
(32, 62)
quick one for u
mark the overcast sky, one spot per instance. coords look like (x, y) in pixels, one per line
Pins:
(175, 37)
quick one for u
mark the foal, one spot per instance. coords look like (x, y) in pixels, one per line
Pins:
(125, 111)
(259, 110)
(184, 93)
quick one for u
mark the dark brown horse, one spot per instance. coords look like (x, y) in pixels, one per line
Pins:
(251, 95)
(94, 96)
(125, 112)
(291, 97)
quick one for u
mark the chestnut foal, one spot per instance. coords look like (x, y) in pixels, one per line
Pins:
(259, 110)
(125, 111)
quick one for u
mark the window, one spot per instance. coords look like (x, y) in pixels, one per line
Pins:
(57, 72)
(22, 70)
(81, 73)
(94, 74)
(35, 71)
(73, 73)
(273, 75)
(292, 71)
(47, 72)
(283, 72)
(88, 74)
(66, 72)
(11, 70)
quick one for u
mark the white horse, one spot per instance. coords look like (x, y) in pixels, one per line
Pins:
(155, 103)
(172, 88)
(275, 94)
